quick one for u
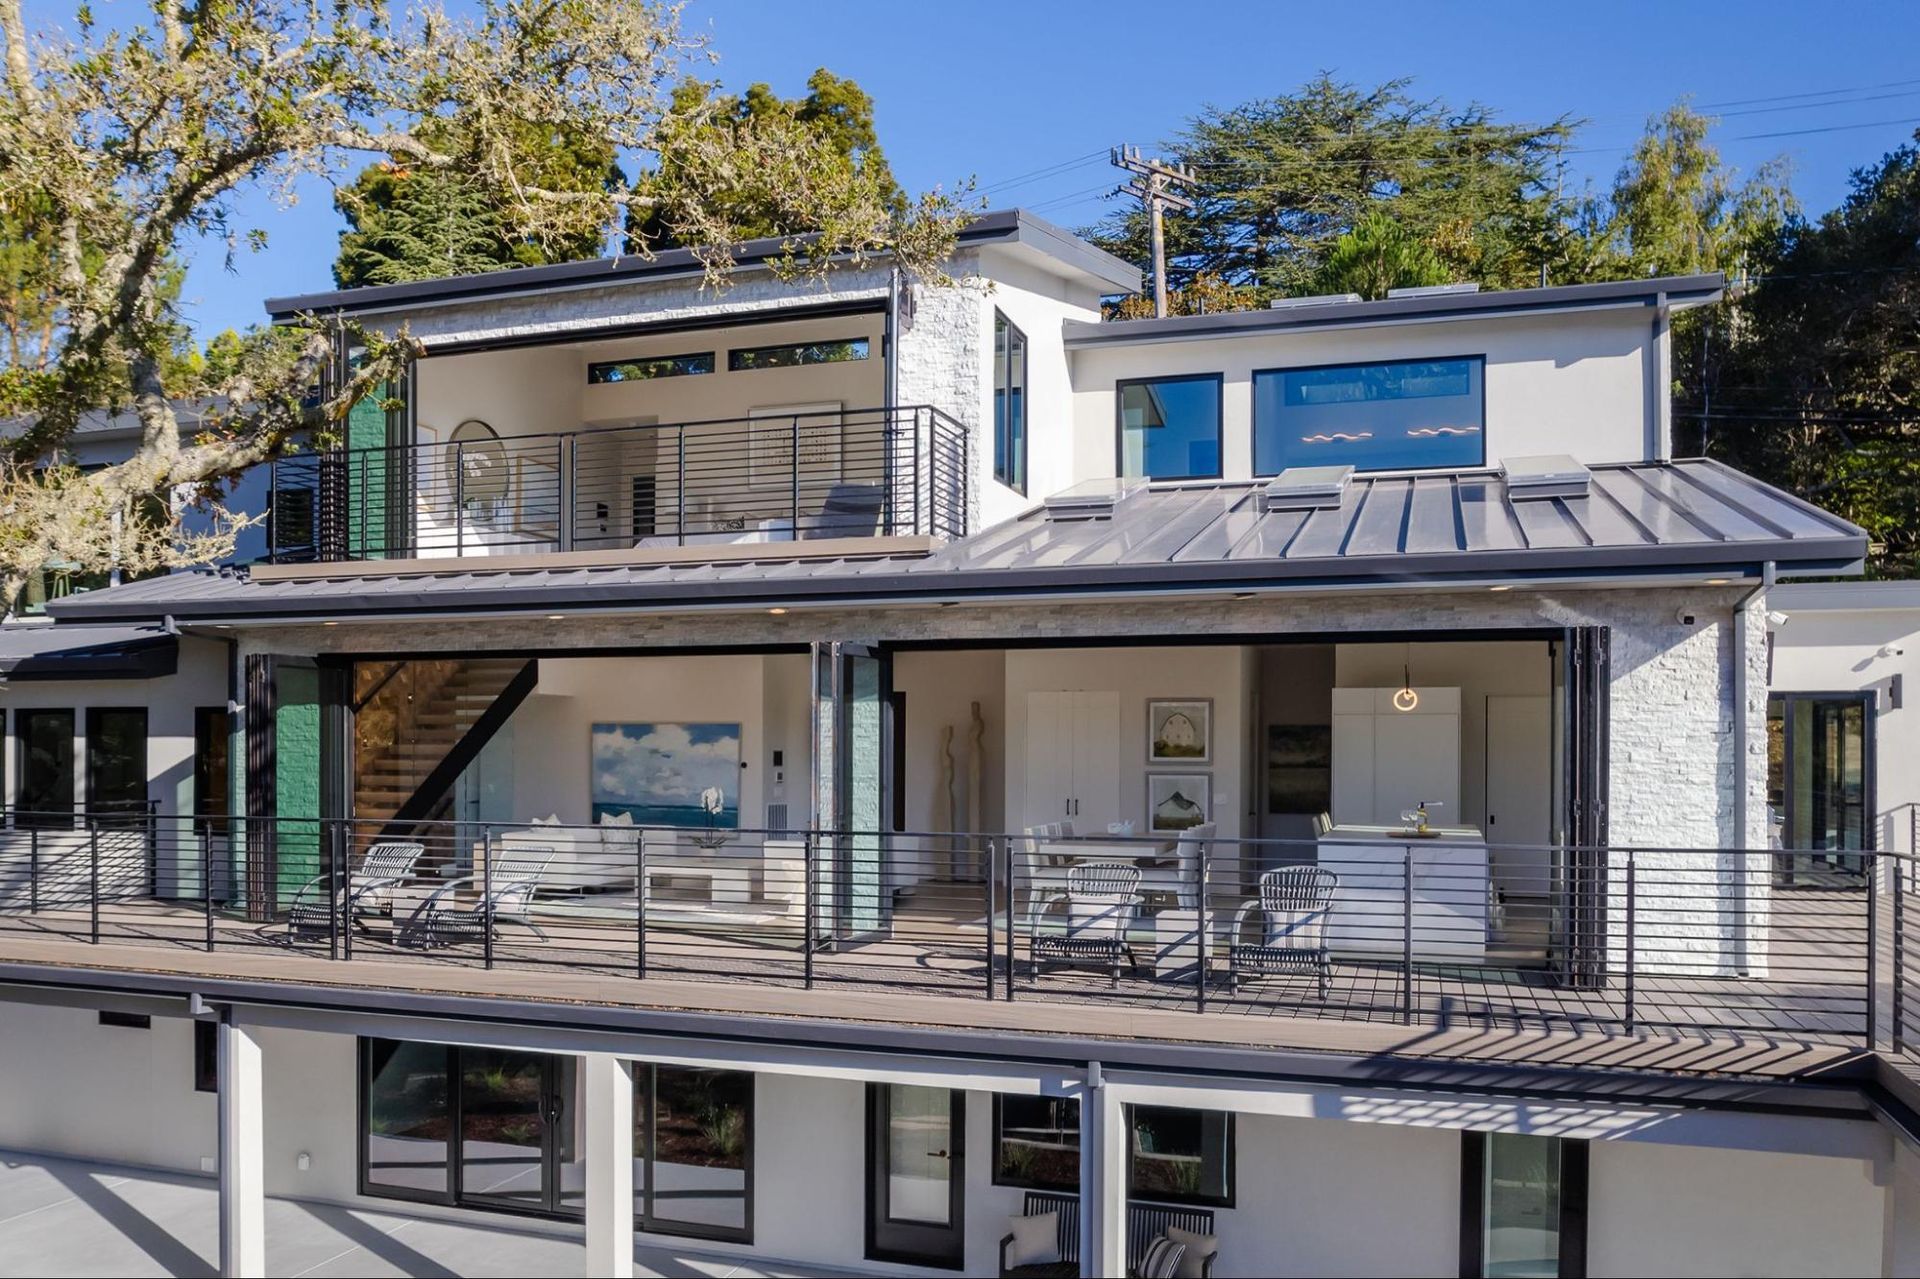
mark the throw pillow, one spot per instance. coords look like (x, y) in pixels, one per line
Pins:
(551, 819)
(1036, 1240)
(1163, 1259)
(1200, 1249)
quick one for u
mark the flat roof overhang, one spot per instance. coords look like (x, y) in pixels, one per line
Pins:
(37, 651)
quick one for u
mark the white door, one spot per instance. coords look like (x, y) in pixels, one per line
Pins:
(1049, 771)
(1519, 790)
(1096, 761)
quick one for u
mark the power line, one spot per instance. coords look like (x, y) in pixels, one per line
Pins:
(1156, 184)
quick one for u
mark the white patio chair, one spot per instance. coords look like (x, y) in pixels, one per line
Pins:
(369, 889)
(506, 895)
(1098, 906)
(1181, 879)
(1293, 905)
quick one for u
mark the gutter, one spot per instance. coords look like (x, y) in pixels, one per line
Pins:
(1742, 611)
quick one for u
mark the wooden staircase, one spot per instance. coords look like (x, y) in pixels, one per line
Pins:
(411, 717)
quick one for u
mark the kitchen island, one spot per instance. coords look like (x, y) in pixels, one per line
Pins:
(1448, 870)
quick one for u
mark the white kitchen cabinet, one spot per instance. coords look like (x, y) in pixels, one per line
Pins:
(1073, 759)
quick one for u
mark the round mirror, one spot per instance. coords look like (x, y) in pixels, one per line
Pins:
(476, 462)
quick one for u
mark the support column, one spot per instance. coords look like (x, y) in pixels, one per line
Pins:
(1103, 1179)
(243, 1155)
(607, 1082)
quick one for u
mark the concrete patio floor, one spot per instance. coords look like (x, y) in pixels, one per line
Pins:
(61, 1217)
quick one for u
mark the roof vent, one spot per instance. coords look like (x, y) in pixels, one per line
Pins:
(1091, 499)
(1543, 476)
(1433, 290)
(1318, 299)
(1308, 488)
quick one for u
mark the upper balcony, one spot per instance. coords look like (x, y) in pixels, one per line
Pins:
(770, 476)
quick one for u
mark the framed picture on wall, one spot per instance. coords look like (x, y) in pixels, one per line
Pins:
(1178, 801)
(667, 774)
(1180, 731)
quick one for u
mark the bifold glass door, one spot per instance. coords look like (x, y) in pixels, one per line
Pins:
(853, 753)
(1820, 784)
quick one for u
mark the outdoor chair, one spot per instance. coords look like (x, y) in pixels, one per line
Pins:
(850, 510)
(457, 912)
(1147, 1224)
(368, 892)
(1293, 906)
(1098, 906)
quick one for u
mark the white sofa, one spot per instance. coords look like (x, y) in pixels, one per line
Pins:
(602, 856)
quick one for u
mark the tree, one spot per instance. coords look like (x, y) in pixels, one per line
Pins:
(408, 222)
(1282, 179)
(1377, 255)
(1204, 294)
(836, 113)
(1810, 377)
(127, 145)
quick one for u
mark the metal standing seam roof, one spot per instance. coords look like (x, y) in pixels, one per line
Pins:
(38, 650)
(1660, 519)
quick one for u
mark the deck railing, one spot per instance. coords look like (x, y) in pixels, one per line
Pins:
(1401, 931)
(766, 478)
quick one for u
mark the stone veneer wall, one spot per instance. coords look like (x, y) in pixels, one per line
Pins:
(1673, 727)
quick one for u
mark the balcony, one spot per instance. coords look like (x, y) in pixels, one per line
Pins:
(994, 933)
(840, 474)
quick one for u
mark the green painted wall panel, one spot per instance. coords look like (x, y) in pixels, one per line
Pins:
(296, 781)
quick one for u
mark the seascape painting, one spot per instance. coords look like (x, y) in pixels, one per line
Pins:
(667, 774)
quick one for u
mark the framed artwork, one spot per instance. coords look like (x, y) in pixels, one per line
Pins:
(1178, 801)
(667, 774)
(1299, 768)
(1180, 731)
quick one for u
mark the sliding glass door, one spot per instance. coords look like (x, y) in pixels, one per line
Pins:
(1820, 785)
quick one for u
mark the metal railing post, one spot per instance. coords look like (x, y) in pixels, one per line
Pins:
(993, 901)
(680, 490)
(1201, 928)
(486, 895)
(206, 879)
(1873, 953)
(568, 497)
(93, 875)
(33, 871)
(796, 477)
(1899, 958)
(1012, 888)
(342, 850)
(1406, 935)
(642, 888)
(806, 939)
(1633, 937)
(459, 498)
(336, 891)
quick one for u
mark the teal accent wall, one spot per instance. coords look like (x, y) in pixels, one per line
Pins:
(367, 476)
(296, 781)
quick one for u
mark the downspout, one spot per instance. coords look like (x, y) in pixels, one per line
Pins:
(1742, 939)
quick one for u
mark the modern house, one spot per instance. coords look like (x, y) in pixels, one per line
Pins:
(907, 779)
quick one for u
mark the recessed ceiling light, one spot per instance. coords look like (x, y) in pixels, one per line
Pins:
(329, 623)
(1716, 581)
(777, 612)
(1499, 588)
(556, 617)
(1243, 595)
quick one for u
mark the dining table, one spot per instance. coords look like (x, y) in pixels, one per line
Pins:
(1074, 850)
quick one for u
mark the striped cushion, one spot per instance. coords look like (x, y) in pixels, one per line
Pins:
(1163, 1259)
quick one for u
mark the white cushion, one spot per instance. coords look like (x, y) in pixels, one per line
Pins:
(1036, 1240)
(1162, 1259)
(616, 819)
(551, 819)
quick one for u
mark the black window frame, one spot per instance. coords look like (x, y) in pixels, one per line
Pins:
(34, 814)
(999, 1142)
(95, 805)
(1009, 463)
(1253, 411)
(1219, 381)
(212, 757)
(120, 1020)
(661, 366)
(206, 1055)
(1575, 1182)
(645, 1219)
(1229, 1139)
(740, 358)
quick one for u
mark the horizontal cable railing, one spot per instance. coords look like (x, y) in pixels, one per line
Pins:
(1813, 945)
(766, 478)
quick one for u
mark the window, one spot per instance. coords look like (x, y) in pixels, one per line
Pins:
(1523, 1205)
(1820, 783)
(212, 770)
(1373, 417)
(206, 1056)
(292, 529)
(1009, 404)
(45, 767)
(648, 367)
(746, 358)
(1170, 428)
(693, 1151)
(116, 761)
(126, 1021)
(406, 1114)
(1174, 1155)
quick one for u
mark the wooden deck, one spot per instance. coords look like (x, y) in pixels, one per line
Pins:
(932, 971)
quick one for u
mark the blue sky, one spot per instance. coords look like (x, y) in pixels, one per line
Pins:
(1027, 96)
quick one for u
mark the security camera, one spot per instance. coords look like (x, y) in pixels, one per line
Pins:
(1684, 616)
(1776, 619)
(1892, 650)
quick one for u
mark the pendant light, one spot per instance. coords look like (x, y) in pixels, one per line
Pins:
(1406, 699)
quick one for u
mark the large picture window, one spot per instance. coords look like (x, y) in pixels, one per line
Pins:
(117, 761)
(693, 1151)
(1170, 428)
(1009, 404)
(1523, 1205)
(1174, 1155)
(1373, 417)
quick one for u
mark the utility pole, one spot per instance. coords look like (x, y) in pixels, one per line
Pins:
(1152, 184)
